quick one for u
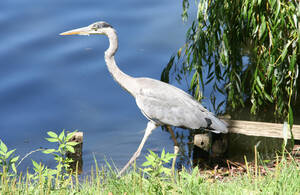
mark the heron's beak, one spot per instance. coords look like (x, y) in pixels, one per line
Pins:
(78, 31)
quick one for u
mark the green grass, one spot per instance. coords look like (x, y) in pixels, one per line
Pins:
(284, 179)
(153, 178)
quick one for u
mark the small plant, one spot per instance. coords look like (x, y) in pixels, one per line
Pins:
(157, 172)
(155, 164)
(7, 160)
(64, 146)
(41, 170)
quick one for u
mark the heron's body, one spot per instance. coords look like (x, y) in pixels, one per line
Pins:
(167, 105)
(161, 103)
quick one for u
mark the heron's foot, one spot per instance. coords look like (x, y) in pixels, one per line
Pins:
(150, 127)
(133, 158)
(176, 150)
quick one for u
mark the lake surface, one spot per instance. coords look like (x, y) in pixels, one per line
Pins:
(51, 82)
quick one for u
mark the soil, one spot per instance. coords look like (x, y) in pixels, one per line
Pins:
(221, 168)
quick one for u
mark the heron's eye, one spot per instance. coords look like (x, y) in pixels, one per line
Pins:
(95, 27)
(100, 25)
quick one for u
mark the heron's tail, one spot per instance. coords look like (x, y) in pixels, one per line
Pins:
(219, 126)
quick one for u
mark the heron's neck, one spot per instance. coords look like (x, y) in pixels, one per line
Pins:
(125, 81)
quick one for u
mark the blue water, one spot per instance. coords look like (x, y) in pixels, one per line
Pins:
(52, 82)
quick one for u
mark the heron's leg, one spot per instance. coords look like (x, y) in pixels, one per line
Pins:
(150, 127)
(176, 146)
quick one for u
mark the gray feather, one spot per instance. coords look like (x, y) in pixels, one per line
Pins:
(168, 105)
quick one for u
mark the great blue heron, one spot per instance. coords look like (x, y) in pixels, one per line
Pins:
(161, 103)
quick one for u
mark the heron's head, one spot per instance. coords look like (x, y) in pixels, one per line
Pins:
(95, 28)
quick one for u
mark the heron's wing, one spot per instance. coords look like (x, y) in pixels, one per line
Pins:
(166, 104)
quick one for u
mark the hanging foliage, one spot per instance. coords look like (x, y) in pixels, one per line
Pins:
(247, 50)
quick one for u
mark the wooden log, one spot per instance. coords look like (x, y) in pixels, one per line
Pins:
(268, 135)
(215, 144)
(203, 141)
(76, 165)
(264, 129)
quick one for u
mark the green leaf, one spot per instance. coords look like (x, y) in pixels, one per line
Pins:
(146, 164)
(185, 6)
(147, 170)
(253, 107)
(35, 164)
(259, 83)
(7, 155)
(52, 134)
(13, 167)
(165, 73)
(58, 158)
(72, 143)
(245, 8)
(268, 96)
(258, 2)
(278, 3)
(192, 83)
(283, 54)
(3, 147)
(61, 146)
(293, 60)
(61, 135)
(151, 157)
(70, 148)
(15, 159)
(273, 3)
(48, 151)
(162, 154)
(262, 27)
(152, 153)
(291, 117)
(201, 80)
(52, 139)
